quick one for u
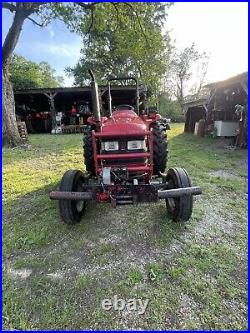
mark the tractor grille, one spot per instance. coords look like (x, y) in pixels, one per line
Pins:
(123, 150)
(125, 162)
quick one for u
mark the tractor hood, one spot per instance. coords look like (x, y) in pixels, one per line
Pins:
(125, 122)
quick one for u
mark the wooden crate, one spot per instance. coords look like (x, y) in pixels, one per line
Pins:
(22, 129)
(71, 129)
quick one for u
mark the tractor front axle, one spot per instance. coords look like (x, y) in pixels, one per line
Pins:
(76, 189)
(142, 197)
(179, 192)
(60, 195)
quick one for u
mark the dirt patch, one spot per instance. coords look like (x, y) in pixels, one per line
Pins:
(222, 143)
(242, 163)
(21, 273)
(224, 174)
(188, 309)
(131, 250)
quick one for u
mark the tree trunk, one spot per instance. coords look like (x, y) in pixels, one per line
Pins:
(181, 94)
(10, 134)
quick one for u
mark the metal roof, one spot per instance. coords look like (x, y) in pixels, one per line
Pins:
(74, 89)
(230, 81)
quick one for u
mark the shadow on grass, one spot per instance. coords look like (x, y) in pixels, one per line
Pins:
(33, 221)
(43, 146)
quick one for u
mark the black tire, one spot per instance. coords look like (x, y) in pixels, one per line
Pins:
(88, 152)
(71, 211)
(160, 148)
(179, 209)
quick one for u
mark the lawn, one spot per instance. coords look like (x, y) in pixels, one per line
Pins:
(194, 274)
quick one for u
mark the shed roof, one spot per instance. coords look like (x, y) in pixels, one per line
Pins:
(232, 80)
(196, 102)
(73, 89)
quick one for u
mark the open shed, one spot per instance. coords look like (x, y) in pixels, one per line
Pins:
(224, 95)
(219, 108)
(194, 111)
(40, 108)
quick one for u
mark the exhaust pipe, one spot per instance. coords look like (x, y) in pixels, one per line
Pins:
(95, 100)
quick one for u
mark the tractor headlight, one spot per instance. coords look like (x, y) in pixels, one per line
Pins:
(110, 145)
(137, 144)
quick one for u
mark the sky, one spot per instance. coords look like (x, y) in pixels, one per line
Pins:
(218, 28)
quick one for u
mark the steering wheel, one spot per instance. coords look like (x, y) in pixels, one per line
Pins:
(124, 107)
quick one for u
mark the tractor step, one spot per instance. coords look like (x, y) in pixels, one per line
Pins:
(124, 202)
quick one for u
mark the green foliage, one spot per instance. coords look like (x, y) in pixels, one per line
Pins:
(130, 42)
(118, 39)
(167, 107)
(181, 70)
(28, 74)
(183, 60)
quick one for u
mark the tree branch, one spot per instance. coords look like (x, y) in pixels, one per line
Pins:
(9, 6)
(203, 75)
(31, 7)
(12, 37)
(22, 11)
(138, 19)
(92, 19)
(117, 13)
(87, 5)
(35, 22)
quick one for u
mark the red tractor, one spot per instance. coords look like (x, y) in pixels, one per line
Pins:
(125, 157)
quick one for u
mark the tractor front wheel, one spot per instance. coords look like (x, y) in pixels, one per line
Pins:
(88, 152)
(71, 211)
(179, 209)
(160, 148)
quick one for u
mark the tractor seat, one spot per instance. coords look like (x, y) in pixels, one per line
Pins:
(123, 107)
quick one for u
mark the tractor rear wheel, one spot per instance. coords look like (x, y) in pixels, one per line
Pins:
(71, 211)
(160, 148)
(88, 152)
(179, 209)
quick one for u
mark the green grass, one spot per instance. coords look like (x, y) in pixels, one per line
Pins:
(134, 276)
(194, 275)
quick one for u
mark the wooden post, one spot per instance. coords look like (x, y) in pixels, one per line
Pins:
(51, 97)
(244, 87)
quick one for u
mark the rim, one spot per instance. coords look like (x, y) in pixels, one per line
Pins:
(171, 201)
(79, 203)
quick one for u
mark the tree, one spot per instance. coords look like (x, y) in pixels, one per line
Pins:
(22, 11)
(25, 74)
(48, 77)
(78, 16)
(181, 67)
(167, 107)
(131, 45)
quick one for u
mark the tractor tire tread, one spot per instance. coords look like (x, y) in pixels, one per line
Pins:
(68, 184)
(160, 148)
(184, 208)
(88, 153)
